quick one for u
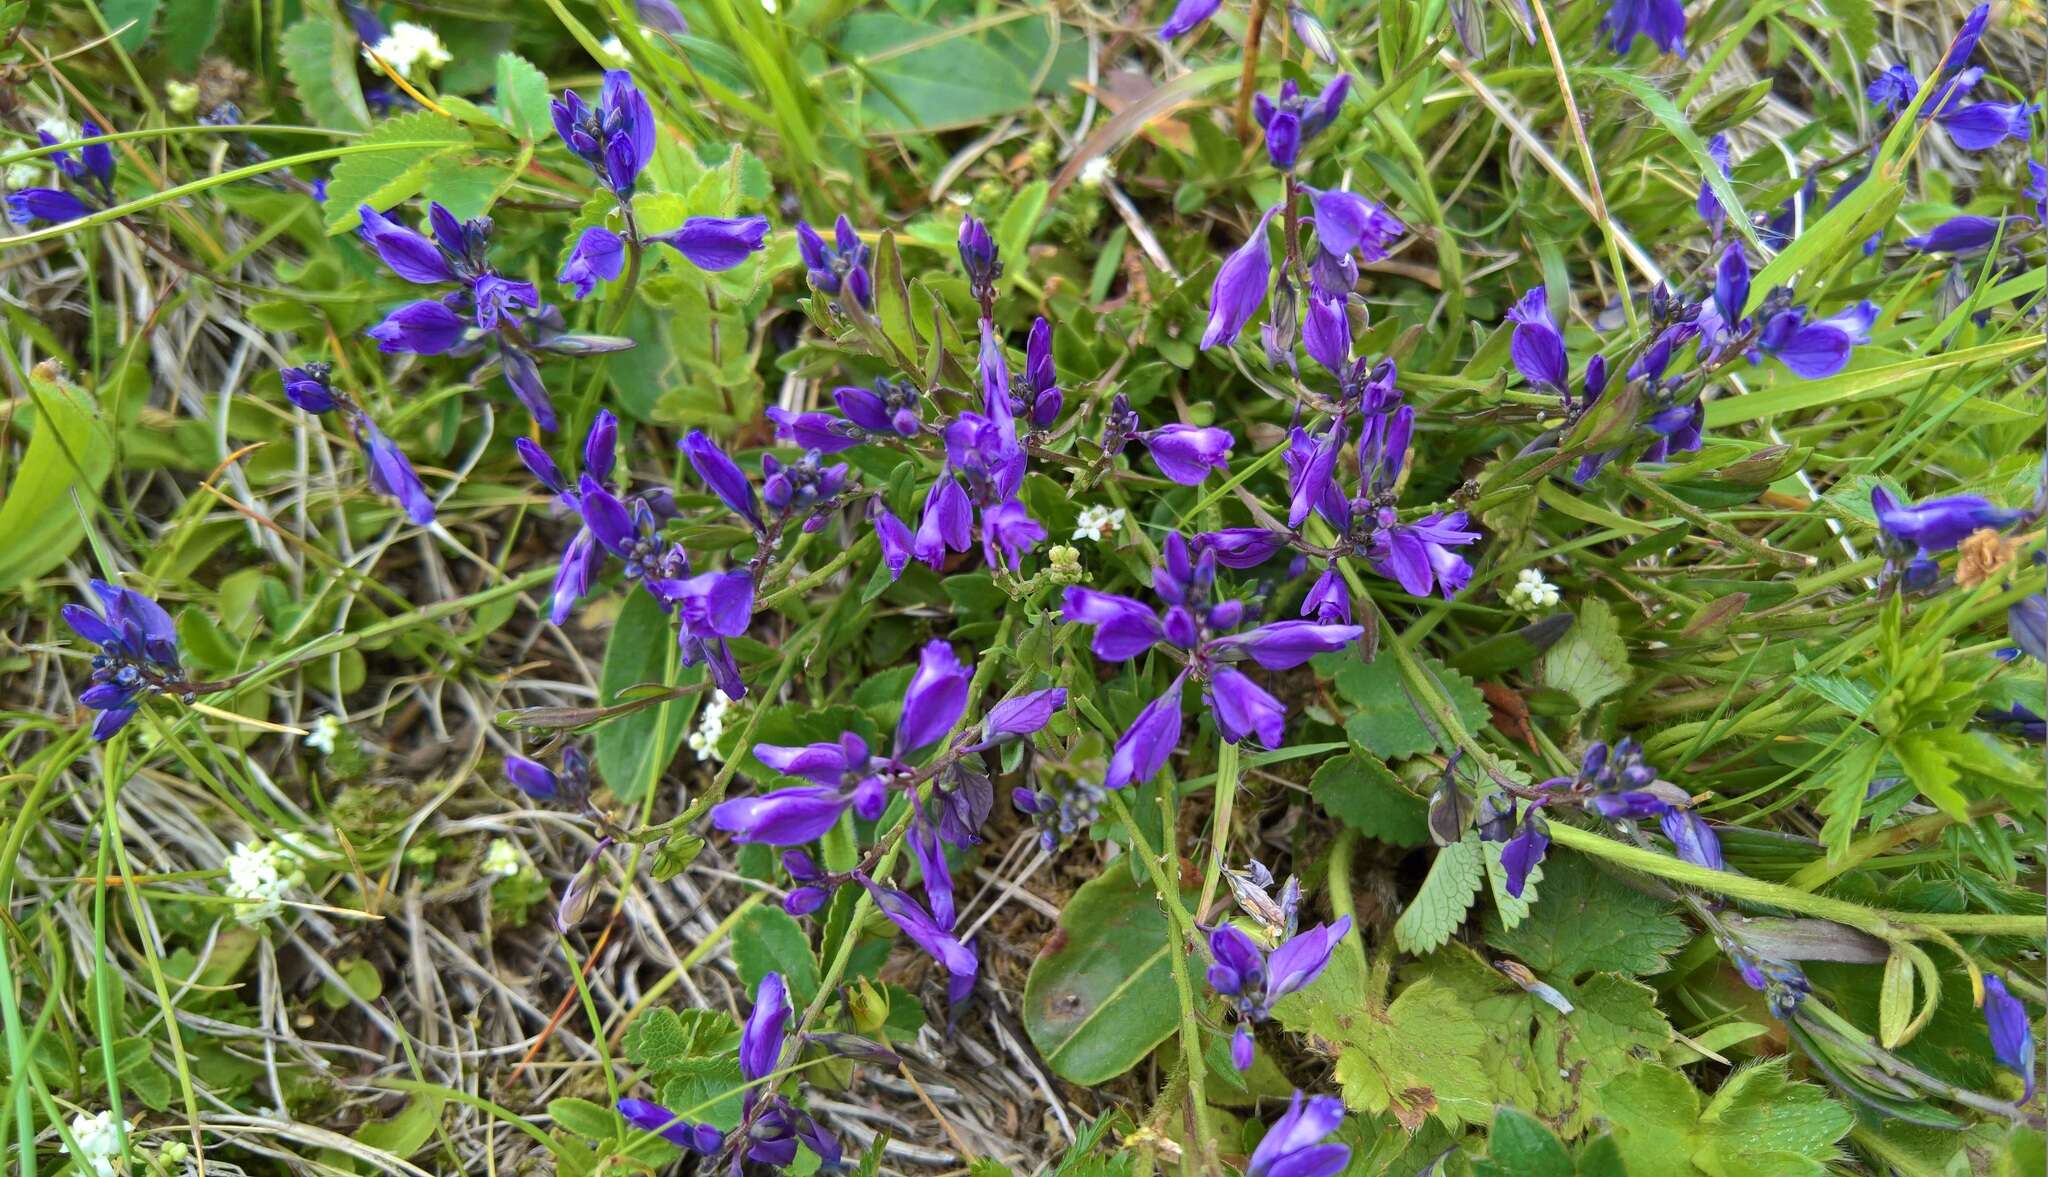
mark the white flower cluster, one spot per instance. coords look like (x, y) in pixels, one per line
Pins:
(29, 172)
(503, 859)
(263, 873)
(99, 1142)
(1099, 523)
(321, 738)
(407, 47)
(1531, 592)
(710, 728)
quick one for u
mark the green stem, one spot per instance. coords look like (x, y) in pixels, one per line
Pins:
(1219, 822)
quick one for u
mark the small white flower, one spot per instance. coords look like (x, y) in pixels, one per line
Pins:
(321, 738)
(262, 873)
(59, 128)
(613, 53)
(1532, 593)
(26, 174)
(1095, 171)
(1099, 523)
(710, 728)
(99, 1142)
(407, 47)
(181, 97)
(503, 859)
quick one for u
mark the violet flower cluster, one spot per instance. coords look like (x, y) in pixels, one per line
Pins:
(88, 182)
(138, 655)
(1255, 980)
(1912, 535)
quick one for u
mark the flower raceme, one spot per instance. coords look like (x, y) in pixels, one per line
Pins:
(310, 387)
(138, 654)
(1295, 1145)
(89, 182)
(1255, 980)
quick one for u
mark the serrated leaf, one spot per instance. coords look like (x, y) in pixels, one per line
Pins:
(1520, 1146)
(1363, 793)
(382, 179)
(708, 1089)
(1590, 662)
(522, 98)
(665, 1037)
(1760, 1122)
(1418, 1058)
(1446, 895)
(319, 57)
(1588, 922)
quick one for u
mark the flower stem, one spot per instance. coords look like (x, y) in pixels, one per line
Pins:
(1219, 823)
(1248, 80)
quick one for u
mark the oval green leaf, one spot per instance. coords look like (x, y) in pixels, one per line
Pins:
(1102, 997)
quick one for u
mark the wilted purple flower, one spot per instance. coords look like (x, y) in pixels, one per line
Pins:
(1709, 205)
(1537, 346)
(1783, 983)
(1934, 525)
(2012, 1032)
(1963, 235)
(1663, 21)
(1187, 453)
(840, 266)
(1293, 1146)
(1239, 287)
(599, 256)
(1187, 14)
(616, 137)
(90, 176)
(716, 243)
(138, 654)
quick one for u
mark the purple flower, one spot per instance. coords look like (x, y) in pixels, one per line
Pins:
(1709, 205)
(1935, 525)
(840, 266)
(1693, 839)
(392, 475)
(2027, 623)
(1537, 346)
(1186, 16)
(1893, 89)
(1520, 854)
(1041, 377)
(1297, 963)
(55, 205)
(786, 817)
(599, 256)
(1347, 222)
(895, 539)
(1965, 43)
(717, 243)
(1243, 708)
(1963, 235)
(1283, 139)
(1124, 628)
(761, 1039)
(1021, 716)
(935, 699)
(1143, 749)
(1187, 453)
(1326, 333)
(1731, 286)
(722, 476)
(1293, 1146)
(1284, 645)
(928, 933)
(1312, 114)
(534, 779)
(1239, 547)
(1241, 1048)
(409, 253)
(946, 524)
(1418, 555)
(1984, 125)
(310, 387)
(1007, 532)
(654, 1118)
(2012, 1033)
(1628, 805)
(426, 327)
(712, 604)
(616, 138)
(1663, 21)
(1329, 599)
(1240, 287)
(138, 653)
(1820, 348)
(978, 256)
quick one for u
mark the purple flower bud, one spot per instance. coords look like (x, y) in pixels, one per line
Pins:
(534, 779)
(1731, 285)
(426, 328)
(1961, 235)
(1186, 16)
(1965, 43)
(1143, 749)
(1187, 453)
(1023, 715)
(1692, 838)
(309, 387)
(2012, 1032)
(1708, 204)
(979, 258)
(45, 204)
(761, 1039)
(933, 702)
(652, 1117)
(1283, 139)
(1240, 287)
(1293, 1146)
(599, 256)
(1242, 1048)
(1326, 333)
(409, 253)
(1537, 346)
(1284, 645)
(717, 243)
(786, 817)
(895, 538)
(392, 475)
(722, 476)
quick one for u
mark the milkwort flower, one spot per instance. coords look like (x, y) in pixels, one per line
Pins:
(311, 388)
(1662, 21)
(1971, 126)
(89, 182)
(487, 310)
(770, 1125)
(983, 472)
(841, 266)
(1202, 630)
(1295, 1145)
(615, 137)
(1615, 784)
(1812, 348)
(1292, 119)
(138, 654)
(2012, 1032)
(1911, 534)
(1967, 234)
(885, 410)
(541, 783)
(1255, 981)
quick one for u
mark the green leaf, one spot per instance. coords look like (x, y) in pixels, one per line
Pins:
(707, 1089)
(1674, 122)
(1361, 792)
(522, 98)
(1020, 219)
(769, 940)
(923, 76)
(1520, 1146)
(1098, 1002)
(1858, 21)
(1386, 720)
(1588, 922)
(319, 57)
(407, 1132)
(586, 1119)
(131, 20)
(1446, 895)
(632, 750)
(665, 1037)
(186, 39)
(382, 179)
(1793, 395)
(68, 453)
(1590, 662)
(1419, 1057)
(1760, 1122)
